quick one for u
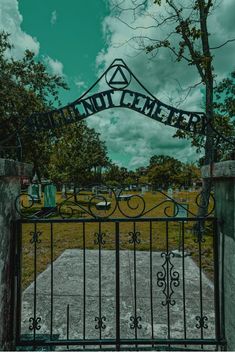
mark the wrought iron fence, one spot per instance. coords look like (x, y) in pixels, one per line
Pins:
(105, 202)
(121, 283)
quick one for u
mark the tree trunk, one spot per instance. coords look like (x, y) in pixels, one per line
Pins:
(208, 79)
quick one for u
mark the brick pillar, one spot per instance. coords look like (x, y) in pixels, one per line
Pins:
(223, 174)
(10, 173)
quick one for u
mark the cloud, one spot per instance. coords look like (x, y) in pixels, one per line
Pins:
(10, 21)
(54, 65)
(127, 131)
(53, 17)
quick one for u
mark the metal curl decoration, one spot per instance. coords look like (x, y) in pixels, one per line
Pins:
(141, 205)
(134, 238)
(99, 239)
(168, 278)
(65, 208)
(100, 323)
(20, 206)
(35, 237)
(68, 211)
(201, 322)
(96, 204)
(203, 202)
(107, 204)
(135, 322)
(175, 210)
(35, 323)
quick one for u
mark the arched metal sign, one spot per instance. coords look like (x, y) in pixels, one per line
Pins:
(120, 92)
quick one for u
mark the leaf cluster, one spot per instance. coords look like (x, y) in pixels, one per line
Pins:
(25, 87)
(77, 155)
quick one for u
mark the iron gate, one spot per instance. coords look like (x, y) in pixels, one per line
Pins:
(118, 283)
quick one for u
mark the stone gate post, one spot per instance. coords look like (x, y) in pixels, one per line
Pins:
(223, 174)
(10, 173)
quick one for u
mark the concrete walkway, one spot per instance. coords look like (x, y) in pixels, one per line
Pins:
(68, 289)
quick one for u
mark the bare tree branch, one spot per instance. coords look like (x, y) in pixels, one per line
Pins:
(220, 46)
(117, 5)
(188, 89)
(134, 28)
(194, 55)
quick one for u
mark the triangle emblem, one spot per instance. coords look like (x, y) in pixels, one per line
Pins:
(118, 77)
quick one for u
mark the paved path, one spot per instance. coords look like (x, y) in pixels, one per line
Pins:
(68, 289)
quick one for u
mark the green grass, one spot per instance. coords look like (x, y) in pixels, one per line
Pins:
(70, 236)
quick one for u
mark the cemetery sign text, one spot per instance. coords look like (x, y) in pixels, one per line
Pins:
(118, 77)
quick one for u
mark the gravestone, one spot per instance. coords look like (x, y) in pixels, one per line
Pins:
(33, 191)
(50, 196)
(63, 192)
(170, 192)
(95, 190)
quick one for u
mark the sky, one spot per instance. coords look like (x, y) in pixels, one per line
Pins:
(79, 39)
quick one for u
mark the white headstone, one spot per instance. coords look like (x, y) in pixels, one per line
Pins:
(63, 192)
(170, 192)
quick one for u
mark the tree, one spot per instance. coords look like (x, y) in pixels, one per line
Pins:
(26, 87)
(188, 174)
(164, 171)
(224, 106)
(76, 154)
(116, 175)
(187, 40)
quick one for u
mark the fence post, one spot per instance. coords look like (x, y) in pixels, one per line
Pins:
(223, 174)
(10, 173)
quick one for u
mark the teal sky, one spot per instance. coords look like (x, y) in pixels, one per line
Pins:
(79, 38)
(74, 38)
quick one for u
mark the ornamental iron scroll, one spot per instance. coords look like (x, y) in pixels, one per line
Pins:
(100, 323)
(201, 322)
(134, 238)
(99, 238)
(34, 323)
(105, 202)
(35, 237)
(168, 278)
(135, 322)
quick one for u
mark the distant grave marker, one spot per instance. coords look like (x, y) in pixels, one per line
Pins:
(34, 192)
(143, 190)
(50, 196)
(181, 210)
(170, 193)
(63, 192)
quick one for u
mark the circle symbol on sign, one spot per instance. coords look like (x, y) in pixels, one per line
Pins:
(118, 77)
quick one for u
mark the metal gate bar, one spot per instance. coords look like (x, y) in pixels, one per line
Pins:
(167, 278)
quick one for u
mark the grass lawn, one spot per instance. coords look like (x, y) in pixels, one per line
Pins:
(76, 235)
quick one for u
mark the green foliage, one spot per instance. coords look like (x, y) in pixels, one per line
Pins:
(224, 120)
(77, 155)
(74, 153)
(191, 43)
(165, 171)
(25, 87)
(224, 108)
(116, 174)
